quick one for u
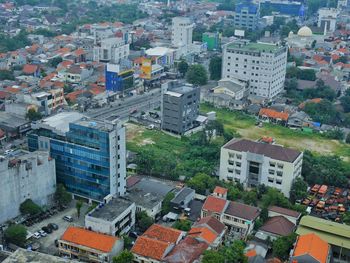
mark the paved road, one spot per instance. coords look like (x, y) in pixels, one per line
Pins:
(122, 108)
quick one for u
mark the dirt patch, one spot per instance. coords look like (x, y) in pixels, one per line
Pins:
(146, 141)
(133, 131)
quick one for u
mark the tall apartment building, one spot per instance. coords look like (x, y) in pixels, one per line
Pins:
(180, 108)
(253, 163)
(247, 15)
(182, 29)
(327, 19)
(111, 50)
(89, 153)
(262, 65)
(24, 176)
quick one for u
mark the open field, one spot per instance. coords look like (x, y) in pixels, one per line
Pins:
(245, 126)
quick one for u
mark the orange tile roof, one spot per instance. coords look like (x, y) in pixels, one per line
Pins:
(335, 57)
(12, 90)
(73, 95)
(97, 90)
(204, 233)
(342, 50)
(313, 245)
(79, 52)
(150, 248)
(65, 64)
(220, 190)
(315, 100)
(87, 238)
(273, 114)
(250, 253)
(29, 69)
(63, 51)
(163, 233)
(214, 204)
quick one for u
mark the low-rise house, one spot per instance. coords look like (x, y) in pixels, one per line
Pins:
(273, 116)
(299, 120)
(182, 199)
(214, 206)
(75, 73)
(32, 70)
(156, 243)
(116, 217)
(82, 244)
(274, 227)
(312, 249)
(291, 215)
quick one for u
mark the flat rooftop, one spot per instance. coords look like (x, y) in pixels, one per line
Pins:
(182, 89)
(254, 47)
(11, 120)
(60, 122)
(111, 210)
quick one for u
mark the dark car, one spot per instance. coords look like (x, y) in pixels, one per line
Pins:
(47, 229)
(53, 226)
(133, 234)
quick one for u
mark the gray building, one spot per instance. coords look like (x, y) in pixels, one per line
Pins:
(182, 199)
(180, 108)
(24, 176)
(246, 15)
(115, 218)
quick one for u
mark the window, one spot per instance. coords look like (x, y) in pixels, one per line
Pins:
(270, 180)
(271, 172)
(279, 173)
(238, 164)
(238, 172)
(280, 165)
(239, 156)
(272, 164)
(231, 162)
(278, 181)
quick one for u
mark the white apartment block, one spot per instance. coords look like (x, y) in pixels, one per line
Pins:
(327, 19)
(253, 163)
(262, 65)
(182, 28)
(111, 50)
(25, 176)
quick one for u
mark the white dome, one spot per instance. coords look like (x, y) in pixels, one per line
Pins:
(305, 32)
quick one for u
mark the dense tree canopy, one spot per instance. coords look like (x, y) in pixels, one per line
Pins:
(28, 207)
(197, 75)
(282, 245)
(16, 234)
(62, 197)
(323, 112)
(215, 68)
(124, 257)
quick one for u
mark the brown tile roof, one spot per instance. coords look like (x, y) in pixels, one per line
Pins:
(242, 211)
(187, 251)
(211, 222)
(214, 204)
(29, 69)
(284, 211)
(273, 151)
(87, 238)
(150, 248)
(163, 233)
(278, 225)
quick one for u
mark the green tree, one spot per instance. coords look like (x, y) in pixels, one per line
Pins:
(215, 68)
(166, 206)
(346, 218)
(28, 207)
(274, 197)
(298, 190)
(250, 197)
(323, 112)
(235, 253)
(347, 140)
(78, 206)
(184, 225)
(62, 197)
(202, 182)
(345, 102)
(6, 75)
(33, 115)
(55, 61)
(197, 75)
(282, 245)
(212, 256)
(124, 257)
(182, 67)
(143, 221)
(16, 234)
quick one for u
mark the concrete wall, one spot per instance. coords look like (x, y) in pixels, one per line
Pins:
(26, 180)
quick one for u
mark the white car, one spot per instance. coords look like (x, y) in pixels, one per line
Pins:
(42, 233)
(36, 235)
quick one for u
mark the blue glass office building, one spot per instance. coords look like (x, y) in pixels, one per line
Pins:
(89, 154)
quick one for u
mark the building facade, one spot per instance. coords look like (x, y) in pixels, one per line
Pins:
(118, 79)
(111, 50)
(253, 163)
(247, 15)
(180, 108)
(25, 176)
(116, 217)
(327, 19)
(89, 154)
(182, 29)
(262, 65)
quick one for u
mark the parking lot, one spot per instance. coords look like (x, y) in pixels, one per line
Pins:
(47, 244)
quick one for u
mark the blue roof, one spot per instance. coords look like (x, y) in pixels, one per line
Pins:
(252, 8)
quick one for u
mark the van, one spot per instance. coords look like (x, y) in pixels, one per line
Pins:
(68, 218)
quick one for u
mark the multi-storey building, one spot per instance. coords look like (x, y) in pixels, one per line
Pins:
(180, 108)
(262, 65)
(111, 50)
(327, 19)
(25, 176)
(246, 15)
(89, 154)
(253, 163)
(116, 217)
(85, 245)
(182, 29)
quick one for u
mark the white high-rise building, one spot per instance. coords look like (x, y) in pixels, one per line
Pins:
(111, 50)
(327, 19)
(253, 163)
(182, 28)
(262, 65)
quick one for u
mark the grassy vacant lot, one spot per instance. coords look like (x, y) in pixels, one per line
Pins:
(245, 126)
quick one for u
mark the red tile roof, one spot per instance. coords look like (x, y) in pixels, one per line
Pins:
(212, 223)
(270, 113)
(312, 245)
(87, 238)
(214, 204)
(250, 253)
(278, 225)
(150, 248)
(203, 233)
(79, 52)
(29, 69)
(284, 211)
(163, 233)
(220, 190)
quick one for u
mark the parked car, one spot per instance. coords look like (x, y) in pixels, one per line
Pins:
(42, 233)
(36, 235)
(53, 226)
(68, 218)
(47, 229)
